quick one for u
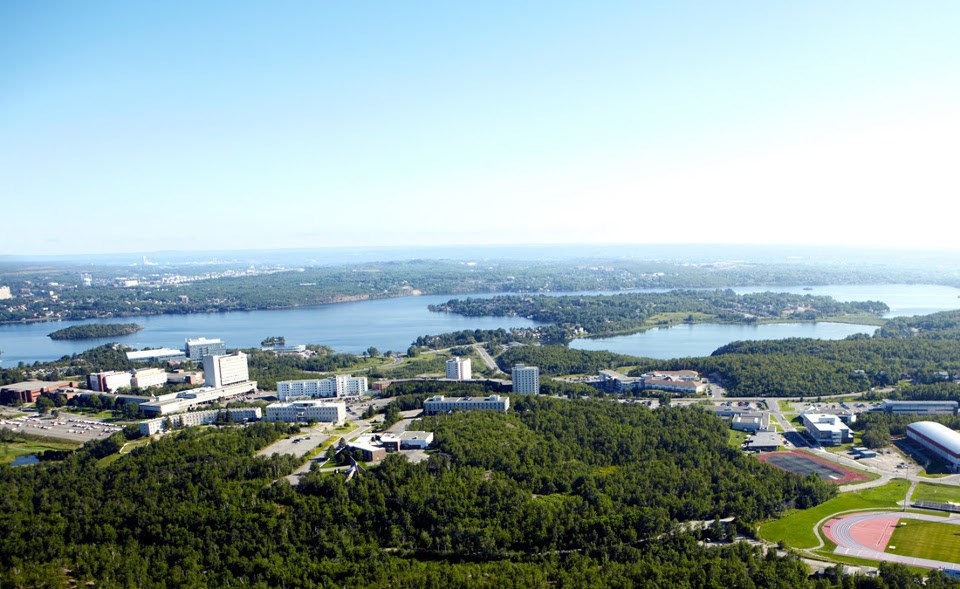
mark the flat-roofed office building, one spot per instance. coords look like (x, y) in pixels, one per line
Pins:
(919, 407)
(827, 430)
(335, 386)
(303, 411)
(441, 404)
(201, 347)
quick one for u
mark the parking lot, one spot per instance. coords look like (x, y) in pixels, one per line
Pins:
(76, 428)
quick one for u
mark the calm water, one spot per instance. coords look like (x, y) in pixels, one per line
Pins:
(25, 460)
(392, 324)
(683, 341)
(701, 340)
(388, 324)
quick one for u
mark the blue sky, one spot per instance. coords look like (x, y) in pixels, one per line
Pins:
(136, 126)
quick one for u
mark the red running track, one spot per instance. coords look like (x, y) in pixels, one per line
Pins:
(865, 535)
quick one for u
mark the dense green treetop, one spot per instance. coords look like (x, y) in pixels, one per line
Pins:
(330, 284)
(598, 315)
(95, 330)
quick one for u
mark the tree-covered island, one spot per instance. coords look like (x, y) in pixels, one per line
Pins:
(605, 315)
(95, 330)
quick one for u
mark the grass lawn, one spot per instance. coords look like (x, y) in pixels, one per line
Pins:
(926, 540)
(347, 427)
(931, 492)
(796, 528)
(10, 450)
(737, 438)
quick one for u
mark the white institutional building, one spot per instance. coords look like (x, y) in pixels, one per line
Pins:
(219, 371)
(302, 411)
(335, 386)
(826, 429)
(441, 404)
(526, 379)
(193, 418)
(202, 347)
(459, 369)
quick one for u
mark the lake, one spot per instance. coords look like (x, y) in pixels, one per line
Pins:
(392, 324)
(702, 339)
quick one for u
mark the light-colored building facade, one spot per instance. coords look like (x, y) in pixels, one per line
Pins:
(5, 293)
(145, 378)
(335, 386)
(160, 354)
(303, 411)
(441, 404)
(220, 371)
(107, 382)
(459, 369)
(194, 418)
(201, 347)
(526, 379)
(826, 430)
(919, 407)
(750, 422)
(185, 400)
(938, 439)
(408, 440)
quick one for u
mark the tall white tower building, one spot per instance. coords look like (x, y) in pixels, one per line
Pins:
(459, 369)
(220, 371)
(526, 379)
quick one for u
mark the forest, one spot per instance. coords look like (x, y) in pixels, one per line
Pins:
(604, 315)
(556, 493)
(95, 330)
(922, 350)
(316, 285)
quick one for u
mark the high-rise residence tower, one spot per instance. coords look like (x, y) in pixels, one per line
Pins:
(459, 369)
(526, 379)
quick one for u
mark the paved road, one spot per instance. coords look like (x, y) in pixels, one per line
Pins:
(885, 475)
(487, 358)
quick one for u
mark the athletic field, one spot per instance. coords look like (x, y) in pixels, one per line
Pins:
(804, 463)
(926, 540)
(913, 539)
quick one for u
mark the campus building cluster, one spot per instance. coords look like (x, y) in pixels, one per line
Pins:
(685, 382)
(186, 400)
(143, 378)
(334, 386)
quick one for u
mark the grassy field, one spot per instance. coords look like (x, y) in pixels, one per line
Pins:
(926, 540)
(796, 528)
(737, 438)
(931, 492)
(10, 450)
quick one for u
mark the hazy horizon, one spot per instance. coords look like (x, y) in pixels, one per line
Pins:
(668, 253)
